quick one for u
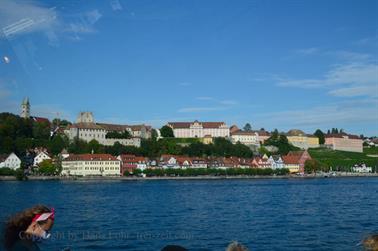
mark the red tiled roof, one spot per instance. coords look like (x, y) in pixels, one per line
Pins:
(341, 135)
(262, 133)
(40, 120)
(240, 132)
(91, 157)
(86, 126)
(291, 159)
(296, 153)
(113, 127)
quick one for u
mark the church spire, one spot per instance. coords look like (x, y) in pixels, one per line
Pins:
(25, 108)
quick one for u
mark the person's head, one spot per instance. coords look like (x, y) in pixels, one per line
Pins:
(235, 246)
(31, 224)
(371, 243)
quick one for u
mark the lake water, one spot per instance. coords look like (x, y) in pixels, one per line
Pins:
(266, 214)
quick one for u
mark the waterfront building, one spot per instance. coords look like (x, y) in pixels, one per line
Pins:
(215, 162)
(130, 162)
(198, 162)
(91, 164)
(261, 162)
(10, 161)
(41, 156)
(344, 142)
(86, 129)
(295, 161)
(276, 162)
(198, 129)
(169, 161)
(304, 141)
(362, 168)
(291, 163)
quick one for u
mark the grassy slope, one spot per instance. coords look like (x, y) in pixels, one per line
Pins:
(341, 158)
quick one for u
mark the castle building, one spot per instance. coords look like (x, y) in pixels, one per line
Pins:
(87, 129)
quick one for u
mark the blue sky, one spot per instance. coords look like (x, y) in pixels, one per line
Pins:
(276, 64)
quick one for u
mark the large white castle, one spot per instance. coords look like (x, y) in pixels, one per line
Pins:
(87, 129)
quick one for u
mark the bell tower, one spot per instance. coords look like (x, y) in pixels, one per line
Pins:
(25, 108)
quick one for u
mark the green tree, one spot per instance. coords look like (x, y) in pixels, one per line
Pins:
(41, 130)
(58, 122)
(154, 134)
(46, 167)
(166, 132)
(281, 142)
(247, 127)
(78, 146)
(94, 146)
(312, 166)
(318, 133)
(57, 144)
(118, 135)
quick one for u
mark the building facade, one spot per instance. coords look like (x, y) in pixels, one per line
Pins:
(304, 141)
(344, 142)
(10, 161)
(245, 137)
(86, 129)
(40, 157)
(198, 129)
(91, 165)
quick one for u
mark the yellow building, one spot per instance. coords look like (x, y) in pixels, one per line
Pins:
(299, 139)
(207, 139)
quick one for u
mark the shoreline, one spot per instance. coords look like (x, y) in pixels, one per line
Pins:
(202, 177)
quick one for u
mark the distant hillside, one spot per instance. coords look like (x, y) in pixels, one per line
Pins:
(343, 159)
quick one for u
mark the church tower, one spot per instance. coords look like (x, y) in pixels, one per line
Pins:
(25, 108)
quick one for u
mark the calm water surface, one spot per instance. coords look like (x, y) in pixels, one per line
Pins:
(311, 214)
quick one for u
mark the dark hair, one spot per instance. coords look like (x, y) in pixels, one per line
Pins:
(20, 222)
(371, 242)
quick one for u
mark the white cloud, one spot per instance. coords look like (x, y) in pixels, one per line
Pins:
(355, 91)
(342, 114)
(343, 80)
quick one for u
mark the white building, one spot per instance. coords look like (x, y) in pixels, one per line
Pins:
(91, 164)
(276, 162)
(86, 129)
(41, 157)
(245, 137)
(198, 129)
(361, 169)
(10, 161)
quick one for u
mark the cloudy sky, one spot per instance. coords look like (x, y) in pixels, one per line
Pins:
(276, 64)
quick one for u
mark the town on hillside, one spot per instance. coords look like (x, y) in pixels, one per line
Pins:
(35, 145)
